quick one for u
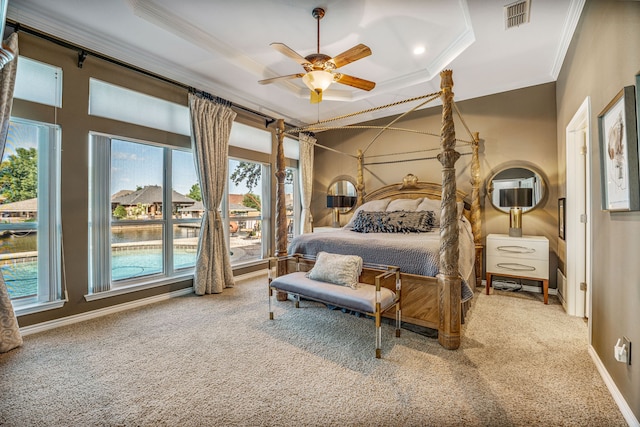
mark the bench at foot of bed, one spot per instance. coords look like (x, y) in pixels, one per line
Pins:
(369, 298)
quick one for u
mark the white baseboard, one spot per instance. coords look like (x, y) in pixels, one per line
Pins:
(627, 413)
(251, 275)
(56, 323)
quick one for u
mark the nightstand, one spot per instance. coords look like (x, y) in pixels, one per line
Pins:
(525, 257)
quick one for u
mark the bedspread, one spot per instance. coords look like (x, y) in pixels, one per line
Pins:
(414, 253)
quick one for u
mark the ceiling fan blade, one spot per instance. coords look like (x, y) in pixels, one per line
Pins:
(355, 82)
(357, 52)
(287, 51)
(275, 79)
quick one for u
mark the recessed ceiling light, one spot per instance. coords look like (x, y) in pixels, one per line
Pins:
(418, 50)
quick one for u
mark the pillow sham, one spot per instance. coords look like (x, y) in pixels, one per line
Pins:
(394, 222)
(403, 205)
(372, 205)
(434, 205)
(338, 269)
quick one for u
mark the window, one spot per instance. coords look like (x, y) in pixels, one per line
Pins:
(144, 219)
(292, 187)
(186, 216)
(38, 82)
(292, 199)
(247, 210)
(30, 227)
(115, 102)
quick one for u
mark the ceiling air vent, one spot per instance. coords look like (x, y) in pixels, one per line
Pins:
(516, 14)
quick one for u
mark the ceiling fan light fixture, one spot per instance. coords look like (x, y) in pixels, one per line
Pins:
(318, 80)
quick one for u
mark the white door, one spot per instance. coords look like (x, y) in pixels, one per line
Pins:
(578, 201)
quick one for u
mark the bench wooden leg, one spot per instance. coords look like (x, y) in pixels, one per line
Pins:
(378, 332)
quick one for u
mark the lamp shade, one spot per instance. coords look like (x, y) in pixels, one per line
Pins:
(516, 197)
(340, 201)
(318, 81)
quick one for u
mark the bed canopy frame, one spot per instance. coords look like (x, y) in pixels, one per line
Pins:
(448, 278)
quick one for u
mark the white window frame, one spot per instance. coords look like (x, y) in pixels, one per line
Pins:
(297, 202)
(265, 214)
(48, 225)
(100, 281)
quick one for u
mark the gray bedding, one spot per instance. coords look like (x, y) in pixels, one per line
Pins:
(414, 253)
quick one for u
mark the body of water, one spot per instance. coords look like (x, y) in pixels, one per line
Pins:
(27, 241)
(127, 262)
(21, 278)
(21, 275)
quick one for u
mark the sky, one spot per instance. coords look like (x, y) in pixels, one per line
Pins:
(133, 164)
(137, 165)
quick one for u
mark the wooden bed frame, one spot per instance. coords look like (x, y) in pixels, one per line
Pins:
(432, 302)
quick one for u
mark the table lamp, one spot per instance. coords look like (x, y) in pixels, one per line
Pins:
(337, 203)
(516, 199)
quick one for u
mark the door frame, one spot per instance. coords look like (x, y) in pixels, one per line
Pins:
(578, 302)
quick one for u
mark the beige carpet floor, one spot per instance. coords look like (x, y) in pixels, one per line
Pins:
(218, 361)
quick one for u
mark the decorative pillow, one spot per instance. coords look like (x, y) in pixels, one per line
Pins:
(337, 269)
(434, 205)
(394, 222)
(410, 205)
(373, 205)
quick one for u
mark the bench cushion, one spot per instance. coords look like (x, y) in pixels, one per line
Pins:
(362, 299)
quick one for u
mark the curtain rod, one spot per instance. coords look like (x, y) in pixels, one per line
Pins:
(84, 52)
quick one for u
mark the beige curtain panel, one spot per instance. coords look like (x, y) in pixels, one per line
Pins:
(210, 129)
(10, 337)
(306, 181)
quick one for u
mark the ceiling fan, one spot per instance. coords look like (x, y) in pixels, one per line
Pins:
(321, 69)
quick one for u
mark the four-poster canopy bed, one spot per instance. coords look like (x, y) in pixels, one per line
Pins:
(429, 300)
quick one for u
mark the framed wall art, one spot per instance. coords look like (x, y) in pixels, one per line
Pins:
(618, 134)
(562, 217)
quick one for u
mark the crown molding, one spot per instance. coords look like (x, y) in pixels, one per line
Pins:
(568, 29)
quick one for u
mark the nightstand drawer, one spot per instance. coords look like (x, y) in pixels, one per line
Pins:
(529, 268)
(518, 248)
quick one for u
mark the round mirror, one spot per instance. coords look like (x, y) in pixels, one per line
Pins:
(342, 194)
(509, 178)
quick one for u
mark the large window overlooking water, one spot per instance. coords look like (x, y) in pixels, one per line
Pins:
(247, 212)
(145, 212)
(30, 222)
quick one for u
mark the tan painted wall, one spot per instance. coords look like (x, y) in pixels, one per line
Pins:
(516, 128)
(76, 124)
(604, 56)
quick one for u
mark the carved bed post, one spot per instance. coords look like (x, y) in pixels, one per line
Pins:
(281, 208)
(476, 220)
(449, 277)
(360, 183)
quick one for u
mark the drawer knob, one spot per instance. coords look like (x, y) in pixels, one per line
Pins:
(514, 266)
(516, 249)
